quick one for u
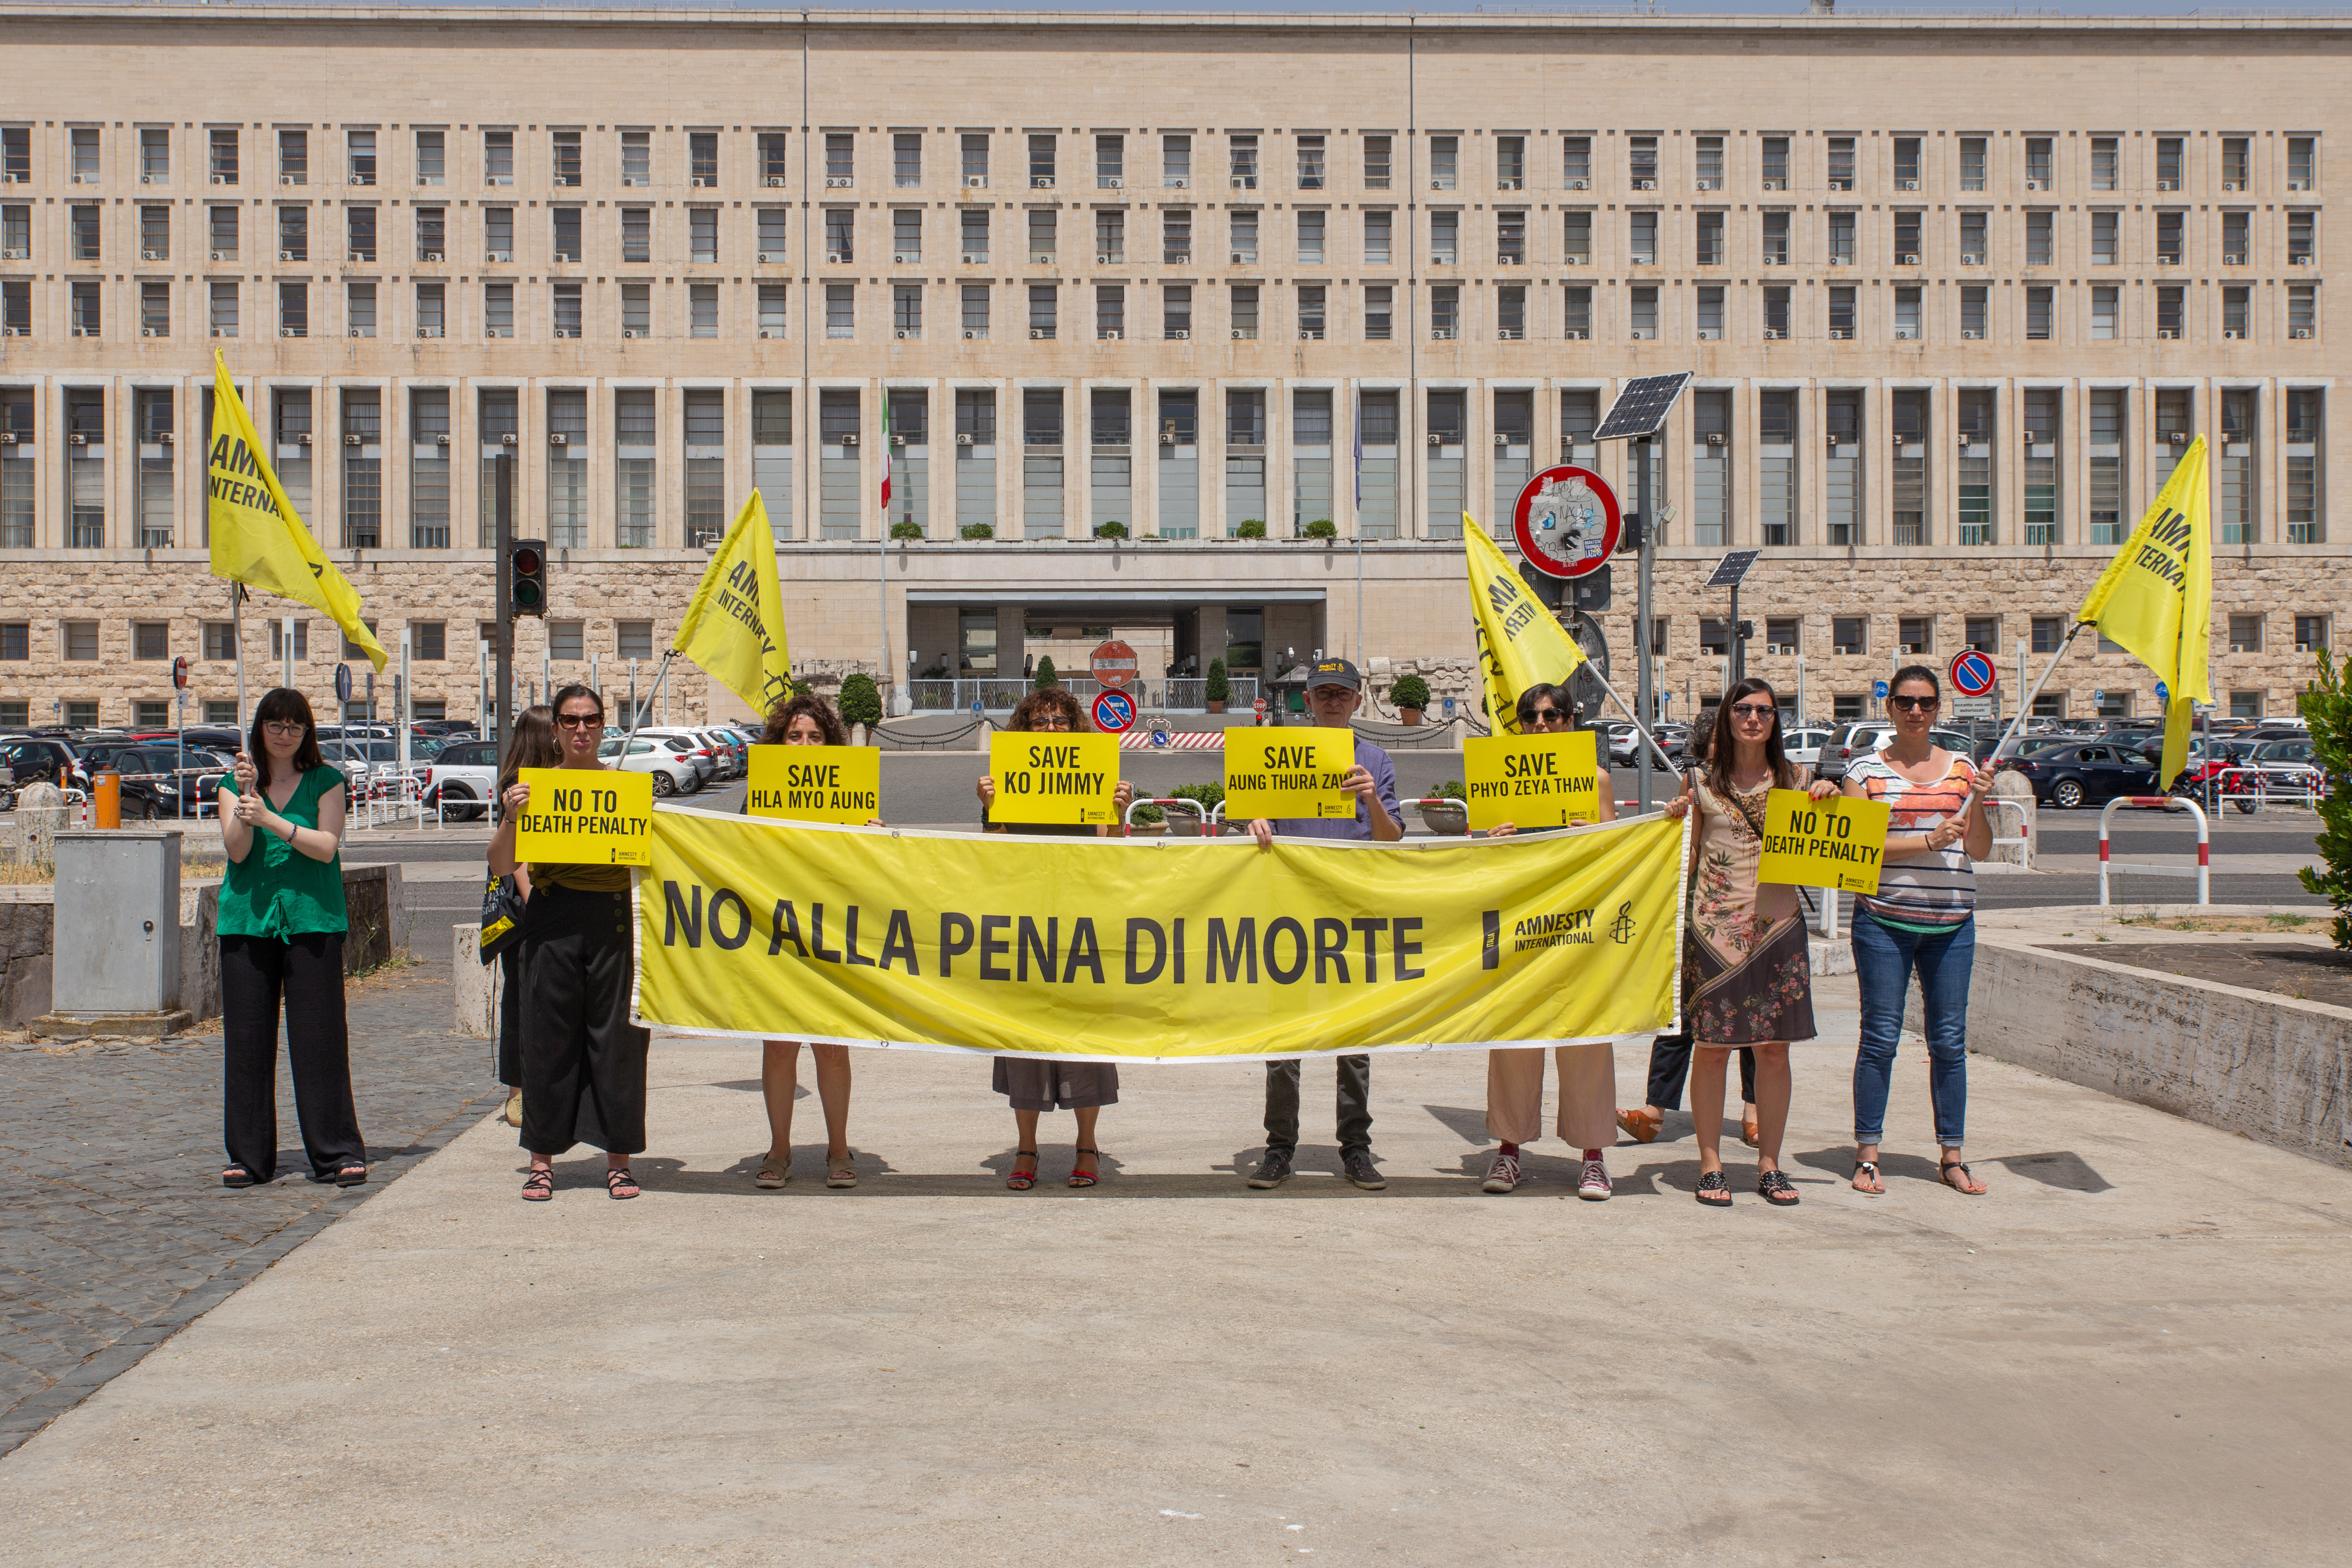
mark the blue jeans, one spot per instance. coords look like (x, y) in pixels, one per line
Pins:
(1883, 958)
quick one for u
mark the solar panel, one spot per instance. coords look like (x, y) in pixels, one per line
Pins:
(1732, 568)
(1641, 409)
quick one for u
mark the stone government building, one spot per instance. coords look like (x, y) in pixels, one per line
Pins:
(1957, 293)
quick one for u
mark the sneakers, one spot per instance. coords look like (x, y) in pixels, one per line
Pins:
(1272, 1171)
(1503, 1175)
(1357, 1163)
(1594, 1183)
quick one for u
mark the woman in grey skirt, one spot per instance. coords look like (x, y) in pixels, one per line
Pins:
(1036, 1086)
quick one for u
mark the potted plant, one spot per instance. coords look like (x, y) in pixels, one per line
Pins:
(1454, 815)
(978, 530)
(1411, 694)
(1047, 676)
(1216, 689)
(1321, 528)
(1250, 527)
(906, 528)
(1114, 528)
(1211, 795)
(1149, 819)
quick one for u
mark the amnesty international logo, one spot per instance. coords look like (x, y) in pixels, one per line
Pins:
(1622, 929)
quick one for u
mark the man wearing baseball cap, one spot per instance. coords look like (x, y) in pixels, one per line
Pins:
(1334, 693)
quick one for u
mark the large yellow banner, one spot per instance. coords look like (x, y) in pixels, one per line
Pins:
(1129, 949)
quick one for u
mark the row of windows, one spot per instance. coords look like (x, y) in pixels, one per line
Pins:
(1922, 636)
(1372, 312)
(151, 641)
(1915, 431)
(1183, 237)
(1236, 160)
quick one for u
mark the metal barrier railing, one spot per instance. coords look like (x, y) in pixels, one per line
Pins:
(2024, 830)
(1164, 801)
(2202, 870)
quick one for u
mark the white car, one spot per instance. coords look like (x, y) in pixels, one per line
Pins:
(1805, 746)
(674, 774)
(701, 753)
(462, 777)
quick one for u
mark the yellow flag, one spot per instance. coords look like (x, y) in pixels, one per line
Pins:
(1521, 643)
(2155, 600)
(735, 626)
(256, 538)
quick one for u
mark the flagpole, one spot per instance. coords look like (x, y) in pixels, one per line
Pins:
(2025, 706)
(1641, 729)
(236, 632)
(636, 708)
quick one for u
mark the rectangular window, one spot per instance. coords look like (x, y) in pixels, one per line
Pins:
(497, 234)
(497, 157)
(362, 432)
(222, 227)
(17, 307)
(2306, 521)
(432, 315)
(1245, 301)
(1849, 635)
(2104, 238)
(154, 156)
(1707, 238)
(1915, 635)
(359, 157)
(154, 309)
(1110, 236)
(1839, 153)
(1176, 311)
(429, 469)
(2302, 238)
(1707, 316)
(1843, 478)
(88, 320)
(1445, 238)
(706, 466)
(2170, 242)
(1510, 162)
(2237, 313)
(1041, 463)
(1378, 445)
(1510, 311)
(1776, 471)
(1706, 163)
(1576, 162)
(840, 310)
(634, 639)
(1775, 229)
(772, 457)
(775, 226)
(1378, 152)
(702, 234)
(154, 233)
(1045, 308)
(1445, 310)
(2237, 246)
(2040, 172)
(2310, 633)
(1310, 238)
(84, 226)
(1577, 308)
(1841, 229)
(564, 308)
(1176, 236)
(1772, 162)
(1642, 311)
(432, 242)
(498, 311)
(359, 233)
(1380, 313)
(975, 459)
(1975, 248)
(636, 436)
(702, 159)
(151, 411)
(1445, 161)
(564, 640)
(1176, 162)
(498, 420)
(702, 310)
(2237, 486)
(1907, 246)
(2175, 422)
(19, 508)
(905, 309)
(2109, 407)
(1576, 249)
(636, 158)
(2105, 165)
(1044, 234)
(1906, 313)
(1906, 163)
(975, 311)
(1711, 468)
(1511, 237)
(1977, 524)
(1110, 163)
(2171, 311)
(1245, 460)
(2040, 310)
(841, 489)
(1110, 311)
(2042, 410)
(1642, 163)
(2107, 313)
(1380, 228)
(1642, 232)
(637, 234)
(2049, 633)
(1043, 151)
(1908, 411)
(80, 639)
(432, 158)
(1842, 311)
(567, 469)
(1243, 224)
(775, 167)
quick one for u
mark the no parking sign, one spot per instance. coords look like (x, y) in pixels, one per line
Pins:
(1114, 710)
(1973, 674)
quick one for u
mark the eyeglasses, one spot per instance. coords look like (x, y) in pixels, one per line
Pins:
(580, 721)
(284, 728)
(1051, 721)
(1759, 711)
(1544, 719)
(1915, 704)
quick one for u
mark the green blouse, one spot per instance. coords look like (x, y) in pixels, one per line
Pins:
(277, 891)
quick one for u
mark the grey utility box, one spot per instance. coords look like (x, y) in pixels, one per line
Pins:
(116, 949)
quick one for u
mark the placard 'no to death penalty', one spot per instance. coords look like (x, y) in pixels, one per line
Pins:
(1046, 776)
(586, 816)
(816, 783)
(1837, 842)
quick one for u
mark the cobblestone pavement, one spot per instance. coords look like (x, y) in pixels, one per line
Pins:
(115, 1231)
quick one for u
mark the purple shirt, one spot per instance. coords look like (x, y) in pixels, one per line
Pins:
(1372, 760)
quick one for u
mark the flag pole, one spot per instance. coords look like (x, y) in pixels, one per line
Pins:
(2025, 706)
(1641, 729)
(637, 708)
(237, 633)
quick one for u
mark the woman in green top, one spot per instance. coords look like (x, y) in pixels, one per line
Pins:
(584, 1063)
(281, 938)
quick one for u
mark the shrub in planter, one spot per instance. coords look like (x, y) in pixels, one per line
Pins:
(861, 702)
(1046, 674)
(1114, 528)
(906, 528)
(1448, 819)
(1321, 528)
(978, 530)
(1216, 688)
(1210, 794)
(1411, 694)
(1250, 527)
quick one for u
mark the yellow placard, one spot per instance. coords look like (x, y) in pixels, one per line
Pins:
(1533, 781)
(816, 783)
(1287, 772)
(1834, 842)
(584, 816)
(1043, 776)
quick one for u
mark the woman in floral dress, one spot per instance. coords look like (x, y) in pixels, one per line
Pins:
(1747, 978)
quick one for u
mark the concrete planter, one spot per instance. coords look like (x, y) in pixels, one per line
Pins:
(1452, 819)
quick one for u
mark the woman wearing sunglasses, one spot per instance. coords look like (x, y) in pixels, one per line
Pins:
(1588, 1074)
(1923, 916)
(1035, 1085)
(1747, 974)
(584, 1063)
(281, 926)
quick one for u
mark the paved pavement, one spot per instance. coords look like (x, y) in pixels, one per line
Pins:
(2129, 1353)
(116, 1232)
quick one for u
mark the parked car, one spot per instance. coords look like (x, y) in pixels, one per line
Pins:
(462, 778)
(43, 759)
(674, 772)
(734, 758)
(693, 747)
(2288, 767)
(2026, 746)
(2092, 774)
(1805, 746)
(158, 785)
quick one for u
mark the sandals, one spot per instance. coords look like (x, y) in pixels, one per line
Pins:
(773, 1172)
(619, 1184)
(1714, 1192)
(1087, 1178)
(1021, 1181)
(539, 1186)
(841, 1172)
(1775, 1188)
(1639, 1125)
(238, 1176)
(1868, 1168)
(1751, 1133)
(1944, 1170)
(351, 1175)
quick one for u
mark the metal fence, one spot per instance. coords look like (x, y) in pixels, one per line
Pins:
(1000, 696)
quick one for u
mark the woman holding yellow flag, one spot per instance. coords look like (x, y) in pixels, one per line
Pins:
(1747, 972)
(584, 1063)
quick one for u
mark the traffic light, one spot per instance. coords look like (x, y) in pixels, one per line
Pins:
(527, 577)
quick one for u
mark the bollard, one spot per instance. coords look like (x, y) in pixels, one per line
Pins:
(105, 799)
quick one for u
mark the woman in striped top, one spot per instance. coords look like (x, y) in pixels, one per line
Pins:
(1923, 916)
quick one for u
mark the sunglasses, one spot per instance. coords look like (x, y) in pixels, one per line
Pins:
(1915, 704)
(1759, 711)
(580, 721)
(1544, 717)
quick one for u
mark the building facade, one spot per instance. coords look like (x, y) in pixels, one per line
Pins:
(1956, 294)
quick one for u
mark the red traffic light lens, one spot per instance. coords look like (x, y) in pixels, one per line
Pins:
(528, 563)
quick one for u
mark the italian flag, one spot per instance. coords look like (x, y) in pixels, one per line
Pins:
(886, 457)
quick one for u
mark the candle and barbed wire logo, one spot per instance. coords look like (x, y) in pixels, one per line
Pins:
(1622, 929)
